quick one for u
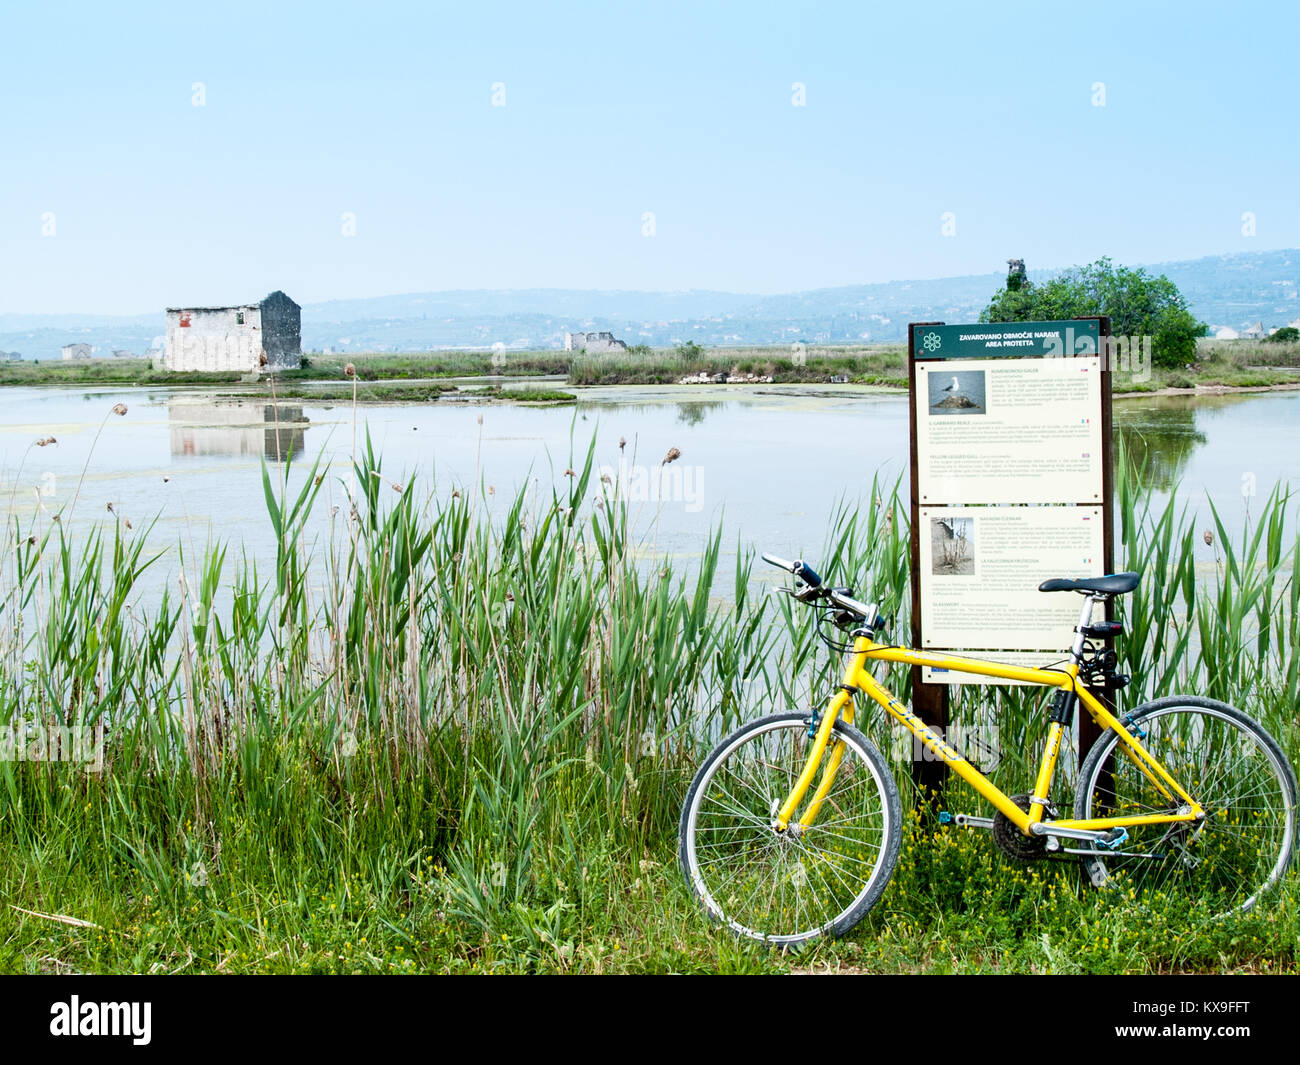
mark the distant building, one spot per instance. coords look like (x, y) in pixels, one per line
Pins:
(77, 351)
(1253, 332)
(593, 343)
(122, 353)
(10, 356)
(1226, 333)
(256, 336)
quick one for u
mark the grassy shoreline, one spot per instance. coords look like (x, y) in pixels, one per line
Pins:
(1221, 366)
(390, 393)
(454, 742)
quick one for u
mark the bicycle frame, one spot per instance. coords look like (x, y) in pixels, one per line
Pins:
(858, 678)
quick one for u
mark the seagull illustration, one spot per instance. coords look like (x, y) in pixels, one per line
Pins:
(952, 386)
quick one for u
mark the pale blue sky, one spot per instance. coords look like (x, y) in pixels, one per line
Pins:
(613, 110)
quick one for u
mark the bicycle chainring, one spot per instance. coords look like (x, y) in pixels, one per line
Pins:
(1014, 843)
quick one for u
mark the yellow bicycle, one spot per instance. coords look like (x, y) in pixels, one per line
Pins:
(791, 828)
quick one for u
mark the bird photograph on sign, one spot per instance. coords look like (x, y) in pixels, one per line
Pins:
(960, 393)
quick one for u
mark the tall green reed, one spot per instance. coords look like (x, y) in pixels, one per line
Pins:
(511, 690)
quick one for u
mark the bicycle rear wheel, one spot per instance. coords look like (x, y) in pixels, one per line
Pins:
(1230, 765)
(786, 888)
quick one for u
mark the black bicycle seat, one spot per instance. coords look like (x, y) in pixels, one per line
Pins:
(1111, 584)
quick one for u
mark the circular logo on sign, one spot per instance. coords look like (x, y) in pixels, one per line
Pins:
(932, 341)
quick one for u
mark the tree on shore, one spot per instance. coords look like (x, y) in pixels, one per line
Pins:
(1137, 303)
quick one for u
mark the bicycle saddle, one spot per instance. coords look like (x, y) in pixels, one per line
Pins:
(1111, 584)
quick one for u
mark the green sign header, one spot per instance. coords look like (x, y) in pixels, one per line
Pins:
(1017, 339)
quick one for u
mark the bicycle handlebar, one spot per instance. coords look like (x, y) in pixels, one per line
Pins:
(799, 568)
(868, 612)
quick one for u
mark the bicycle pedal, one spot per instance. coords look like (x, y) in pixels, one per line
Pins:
(1114, 838)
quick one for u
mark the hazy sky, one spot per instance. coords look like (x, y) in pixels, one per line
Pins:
(118, 194)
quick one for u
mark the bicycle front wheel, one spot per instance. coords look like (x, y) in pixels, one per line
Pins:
(1232, 767)
(786, 888)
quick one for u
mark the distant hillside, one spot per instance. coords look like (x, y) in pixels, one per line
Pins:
(43, 336)
(1239, 289)
(1232, 290)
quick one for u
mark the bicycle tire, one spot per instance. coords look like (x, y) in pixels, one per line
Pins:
(1230, 765)
(786, 889)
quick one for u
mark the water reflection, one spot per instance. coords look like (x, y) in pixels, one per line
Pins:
(269, 430)
(695, 413)
(1159, 435)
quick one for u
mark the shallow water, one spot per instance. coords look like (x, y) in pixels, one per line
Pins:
(772, 461)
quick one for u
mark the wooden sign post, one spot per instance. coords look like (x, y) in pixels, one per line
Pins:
(1011, 484)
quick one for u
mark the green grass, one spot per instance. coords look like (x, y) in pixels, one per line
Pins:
(103, 372)
(384, 367)
(368, 367)
(345, 393)
(439, 742)
(1229, 364)
(420, 392)
(876, 364)
(522, 395)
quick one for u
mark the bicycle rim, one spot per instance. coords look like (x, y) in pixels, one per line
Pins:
(786, 888)
(1231, 766)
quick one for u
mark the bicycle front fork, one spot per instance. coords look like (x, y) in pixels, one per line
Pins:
(821, 741)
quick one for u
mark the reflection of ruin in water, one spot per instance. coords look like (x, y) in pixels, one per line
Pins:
(201, 428)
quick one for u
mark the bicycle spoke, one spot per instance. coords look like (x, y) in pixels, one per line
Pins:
(1222, 760)
(796, 883)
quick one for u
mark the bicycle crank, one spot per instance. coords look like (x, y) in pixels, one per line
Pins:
(1014, 843)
